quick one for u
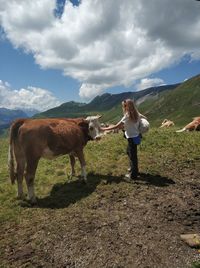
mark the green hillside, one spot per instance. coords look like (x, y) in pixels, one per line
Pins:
(66, 109)
(73, 109)
(106, 104)
(179, 105)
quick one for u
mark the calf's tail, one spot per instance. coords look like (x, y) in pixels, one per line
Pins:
(11, 155)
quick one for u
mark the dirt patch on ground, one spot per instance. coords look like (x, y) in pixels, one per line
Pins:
(109, 223)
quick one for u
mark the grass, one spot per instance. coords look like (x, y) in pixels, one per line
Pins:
(196, 265)
(163, 153)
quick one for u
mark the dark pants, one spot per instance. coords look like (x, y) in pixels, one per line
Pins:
(132, 154)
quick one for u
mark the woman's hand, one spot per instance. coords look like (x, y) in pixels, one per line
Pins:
(117, 126)
(104, 128)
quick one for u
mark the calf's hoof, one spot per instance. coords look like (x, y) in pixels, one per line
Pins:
(33, 201)
(83, 180)
(71, 175)
(21, 197)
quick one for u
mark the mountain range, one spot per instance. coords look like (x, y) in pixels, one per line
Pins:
(178, 102)
(103, 104)
(7, 116)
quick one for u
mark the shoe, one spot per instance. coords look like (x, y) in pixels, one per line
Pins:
(129, 170)
(128, 178)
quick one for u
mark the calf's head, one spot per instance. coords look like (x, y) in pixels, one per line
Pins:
(94, 126)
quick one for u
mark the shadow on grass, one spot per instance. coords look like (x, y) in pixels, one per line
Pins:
(64, 194)
(154, 180)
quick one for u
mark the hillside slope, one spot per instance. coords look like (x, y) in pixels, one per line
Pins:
(103, 103)
(66, 109)
(179, 105)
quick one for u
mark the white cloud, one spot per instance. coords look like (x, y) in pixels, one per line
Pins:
(26, 98)
(149, 82)
(88, 91)
(104, 43)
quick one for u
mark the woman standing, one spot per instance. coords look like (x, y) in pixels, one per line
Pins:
(130, 123)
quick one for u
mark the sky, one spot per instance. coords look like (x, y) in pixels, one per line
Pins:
(53, 52)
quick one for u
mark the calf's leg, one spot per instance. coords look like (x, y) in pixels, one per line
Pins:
(20, 175)
(20, 166)
(81, 159)
(30, 176)
(72, 162)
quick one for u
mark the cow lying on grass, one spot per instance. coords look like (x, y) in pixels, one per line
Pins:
(167, 123)
(194, 125)
(31, 139)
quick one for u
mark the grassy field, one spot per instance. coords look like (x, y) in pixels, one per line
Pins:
(109, 222)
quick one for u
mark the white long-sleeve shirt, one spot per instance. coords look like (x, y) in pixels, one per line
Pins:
(131, 128)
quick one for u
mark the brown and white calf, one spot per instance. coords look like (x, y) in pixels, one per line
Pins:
(32, 139)
(167, 123)
(194, 125)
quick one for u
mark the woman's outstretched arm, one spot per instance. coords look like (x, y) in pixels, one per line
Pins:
(118, 125)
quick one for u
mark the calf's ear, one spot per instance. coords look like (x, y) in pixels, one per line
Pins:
(98, 116)
(88, 118)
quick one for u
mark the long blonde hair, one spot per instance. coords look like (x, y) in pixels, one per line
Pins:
(130, 108)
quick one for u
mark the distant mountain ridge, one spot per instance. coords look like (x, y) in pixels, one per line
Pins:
(30, 112)
(101, 103)
(179, 102)
(8, 115)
